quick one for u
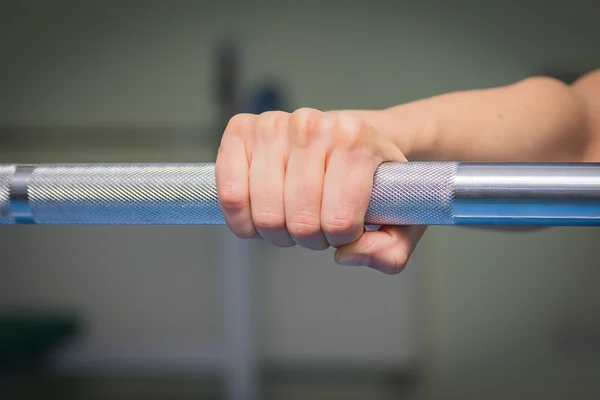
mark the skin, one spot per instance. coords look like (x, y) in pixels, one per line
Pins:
(304, 178)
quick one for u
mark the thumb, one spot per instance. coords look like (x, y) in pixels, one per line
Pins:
(386, 250)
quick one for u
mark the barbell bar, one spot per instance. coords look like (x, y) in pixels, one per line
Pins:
(407, 193)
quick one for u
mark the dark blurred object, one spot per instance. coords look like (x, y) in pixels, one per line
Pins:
(269, 96)
(29, 339)
(227, 80)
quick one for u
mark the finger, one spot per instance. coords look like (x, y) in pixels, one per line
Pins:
(346, 195)
(267, 177)
(349, 178)
(232, 176)
(304, 181)
(387, 249)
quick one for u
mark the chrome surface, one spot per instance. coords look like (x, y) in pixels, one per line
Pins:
(527, 194)
(6, 174)
(18, 193)
(428, 193)
(415, 193)
(125, 194)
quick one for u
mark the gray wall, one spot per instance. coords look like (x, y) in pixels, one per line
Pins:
(490, 303)
(157, 291)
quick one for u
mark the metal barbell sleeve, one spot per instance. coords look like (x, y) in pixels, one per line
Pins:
(411, 193)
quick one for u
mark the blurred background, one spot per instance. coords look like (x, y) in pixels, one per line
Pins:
(190, 312)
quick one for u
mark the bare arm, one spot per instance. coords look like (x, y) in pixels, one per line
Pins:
(537, 119)
(587, 88)
(305, 178)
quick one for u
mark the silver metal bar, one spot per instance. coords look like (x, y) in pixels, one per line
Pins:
(412, 193)
(527, 194)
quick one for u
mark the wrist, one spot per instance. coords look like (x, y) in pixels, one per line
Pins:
(414, 130)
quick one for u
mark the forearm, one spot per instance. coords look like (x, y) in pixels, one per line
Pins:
(538, 119)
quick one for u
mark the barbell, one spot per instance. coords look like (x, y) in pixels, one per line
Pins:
(408, 193)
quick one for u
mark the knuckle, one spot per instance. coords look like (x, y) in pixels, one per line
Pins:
(272, 123)
(341, 223)
(232, 199)
(240, 124)
(304, 225)
(269, 220)
(241, 118)
(305, 114)
(273, 115)
(281, 121)
(353, 130)
(306, 123)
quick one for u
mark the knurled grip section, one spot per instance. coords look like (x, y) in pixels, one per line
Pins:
(125, 194)
(413, 193)
(6, 173)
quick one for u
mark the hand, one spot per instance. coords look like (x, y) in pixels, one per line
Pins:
(305, 179)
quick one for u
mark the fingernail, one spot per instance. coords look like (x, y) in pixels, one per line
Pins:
(354, 260)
